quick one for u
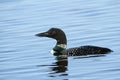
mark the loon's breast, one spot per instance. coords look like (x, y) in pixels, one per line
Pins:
(87, 50)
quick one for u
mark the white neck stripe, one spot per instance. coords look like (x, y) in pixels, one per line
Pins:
(62, 45)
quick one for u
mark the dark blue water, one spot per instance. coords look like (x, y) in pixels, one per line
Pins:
(24, 56)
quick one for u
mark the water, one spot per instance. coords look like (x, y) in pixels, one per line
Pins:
(24, 56)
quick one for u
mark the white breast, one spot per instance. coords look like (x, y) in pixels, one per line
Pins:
(52, 52)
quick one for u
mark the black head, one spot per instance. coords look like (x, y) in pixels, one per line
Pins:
(55, 33)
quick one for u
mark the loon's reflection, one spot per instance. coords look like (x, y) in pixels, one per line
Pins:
(60, 65)
(59, 68)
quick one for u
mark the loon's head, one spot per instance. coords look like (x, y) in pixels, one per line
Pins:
(54, 33)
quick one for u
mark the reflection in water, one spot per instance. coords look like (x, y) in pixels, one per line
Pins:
(60, 67)
(90, 56)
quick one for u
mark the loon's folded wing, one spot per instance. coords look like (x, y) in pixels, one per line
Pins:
(87, 50)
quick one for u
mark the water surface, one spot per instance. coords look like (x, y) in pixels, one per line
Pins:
(24, 56)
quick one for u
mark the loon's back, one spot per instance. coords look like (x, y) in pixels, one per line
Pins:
(87, 50)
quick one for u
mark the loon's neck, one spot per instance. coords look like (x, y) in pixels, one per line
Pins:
(58, 49)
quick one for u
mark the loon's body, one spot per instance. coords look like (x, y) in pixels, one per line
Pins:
(60, 48)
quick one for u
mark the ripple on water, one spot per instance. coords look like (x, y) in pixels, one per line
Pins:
(25, 56)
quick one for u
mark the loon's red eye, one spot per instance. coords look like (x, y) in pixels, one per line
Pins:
(53, 32)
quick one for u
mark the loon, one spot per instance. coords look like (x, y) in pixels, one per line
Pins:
(60, 47)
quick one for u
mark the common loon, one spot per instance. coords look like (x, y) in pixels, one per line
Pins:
(60, 47)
